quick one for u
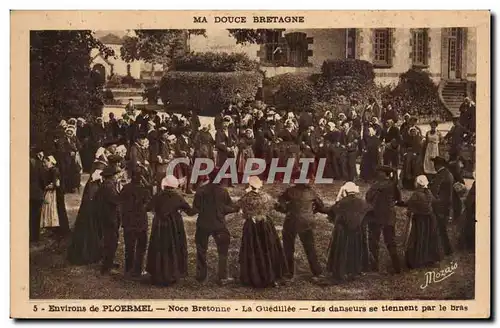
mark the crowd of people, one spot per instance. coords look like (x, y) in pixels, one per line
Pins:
(127, 160)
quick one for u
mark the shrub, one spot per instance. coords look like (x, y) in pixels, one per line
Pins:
(344, 92)
(354, 68)
(207, 92)
(290, 91)
(215, 62)
(417, 94)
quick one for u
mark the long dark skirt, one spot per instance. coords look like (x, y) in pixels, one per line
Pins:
(86, 242)
(167, 259)
(423, 243)
(346, 253)
(369, 164)
(63, 229)
(262, 260)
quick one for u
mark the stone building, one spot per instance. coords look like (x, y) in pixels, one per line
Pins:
(448, 54)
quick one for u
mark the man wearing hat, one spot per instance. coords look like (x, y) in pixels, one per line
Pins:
(305, 121)
(391, 138)
(225, 143)
(383, 197)
(133, 200)
(37, 175)
(107, 205)
(299, 203)
(467, 116)
(164, 155)
(212, 202)
(349, 139)
(456, 138)
(97, 134)
(130, 107)
(139, 157)
(442, 188)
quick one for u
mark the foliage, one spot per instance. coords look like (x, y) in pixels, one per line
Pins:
(207, 92)
(416, 94)
(345, 92)
(355, 68)
(215, 62)
(290, 91)
(246, 36)
(61, 81)
(156, 46)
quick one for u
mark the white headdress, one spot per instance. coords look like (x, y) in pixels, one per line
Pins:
(422, 181)
(348, 188)
(169, 181)
(96, 175)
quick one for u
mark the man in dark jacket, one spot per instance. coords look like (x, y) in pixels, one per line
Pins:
(383, 196)
(212, 203)
(392, 140)
(36, 193)
(456, 137)
(350, 143)
(442, 188)
(300, 202)
(225, 143)
(107, 204)
(134, 198)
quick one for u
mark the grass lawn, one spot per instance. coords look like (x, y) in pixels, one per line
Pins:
(51, 277)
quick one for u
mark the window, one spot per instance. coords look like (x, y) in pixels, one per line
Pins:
(297, 49)
(420, 47)
(381, 47)
(350, 43)
(275, 48)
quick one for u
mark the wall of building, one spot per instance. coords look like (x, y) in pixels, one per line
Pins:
(471, 53)
(327, 44)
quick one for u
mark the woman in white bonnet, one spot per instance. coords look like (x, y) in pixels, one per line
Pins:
(348, 253)
(422, 243)
(54, 216)
(261, 258)
(167, 256)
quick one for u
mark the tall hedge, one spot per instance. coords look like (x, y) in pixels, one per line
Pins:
(207, 92)
(215, 62)
(290, 91)
(352, 68)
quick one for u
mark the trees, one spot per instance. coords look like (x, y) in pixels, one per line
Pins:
(244, 36)
(156, 46)
(61, 81)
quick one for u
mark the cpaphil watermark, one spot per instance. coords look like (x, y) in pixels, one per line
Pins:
(432, 277)
(254, 166)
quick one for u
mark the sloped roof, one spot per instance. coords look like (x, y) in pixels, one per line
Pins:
(111, 39)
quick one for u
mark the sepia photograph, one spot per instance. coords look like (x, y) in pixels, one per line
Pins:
(211, 162)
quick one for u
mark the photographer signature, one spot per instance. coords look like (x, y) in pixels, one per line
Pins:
(432, 277)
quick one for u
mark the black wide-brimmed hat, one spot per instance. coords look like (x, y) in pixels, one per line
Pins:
(109, 171)
(439, 160)
(110, 142)
(114, 158)
(386, 169)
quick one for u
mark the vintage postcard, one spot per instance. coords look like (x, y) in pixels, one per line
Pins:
(250, 164)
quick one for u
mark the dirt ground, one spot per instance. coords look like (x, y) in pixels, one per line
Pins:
(51, 277)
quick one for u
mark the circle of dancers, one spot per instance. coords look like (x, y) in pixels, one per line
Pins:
(127, 159)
